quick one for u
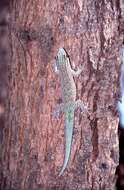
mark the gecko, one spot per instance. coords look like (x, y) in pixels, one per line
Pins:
(120, 105)
(69, 102)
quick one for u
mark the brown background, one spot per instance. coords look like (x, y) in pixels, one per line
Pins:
(32, 141)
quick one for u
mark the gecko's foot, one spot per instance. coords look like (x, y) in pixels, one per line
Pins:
(81, 68)
(86, 107)
(82, 106)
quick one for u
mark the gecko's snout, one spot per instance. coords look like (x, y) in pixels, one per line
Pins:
(61, 51)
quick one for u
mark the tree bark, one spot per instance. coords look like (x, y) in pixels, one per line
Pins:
(32, 148)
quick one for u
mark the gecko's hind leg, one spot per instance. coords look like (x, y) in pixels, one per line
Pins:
(59, 108)
(81, 105)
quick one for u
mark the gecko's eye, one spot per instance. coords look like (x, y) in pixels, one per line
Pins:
(56, 58)
(64, 56)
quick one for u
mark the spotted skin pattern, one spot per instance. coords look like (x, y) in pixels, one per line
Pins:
(69, 102)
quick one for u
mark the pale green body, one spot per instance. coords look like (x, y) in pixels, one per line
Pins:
(68, 91)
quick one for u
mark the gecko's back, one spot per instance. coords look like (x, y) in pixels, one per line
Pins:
(68, 87)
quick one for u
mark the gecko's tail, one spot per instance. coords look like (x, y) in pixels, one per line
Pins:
(68, 141)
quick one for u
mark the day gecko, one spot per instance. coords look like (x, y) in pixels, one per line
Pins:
(69, 102)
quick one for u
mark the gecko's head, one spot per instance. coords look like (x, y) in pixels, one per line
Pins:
(61, 57)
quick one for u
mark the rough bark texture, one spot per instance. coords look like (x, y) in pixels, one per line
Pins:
(32, 147)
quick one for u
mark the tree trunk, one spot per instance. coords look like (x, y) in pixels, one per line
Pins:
(32, 148)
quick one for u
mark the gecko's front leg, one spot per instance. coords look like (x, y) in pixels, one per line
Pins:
(78, 72)
(80, 104)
